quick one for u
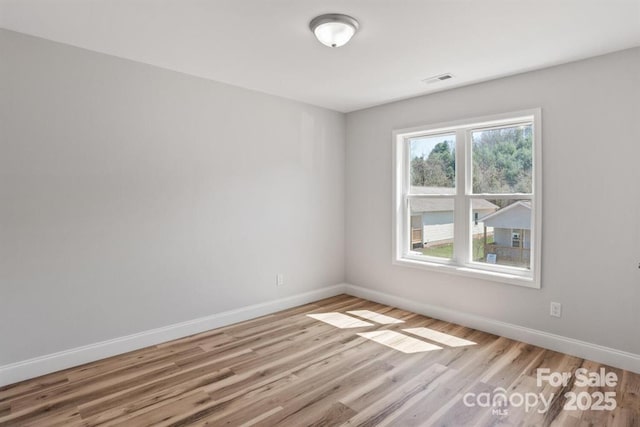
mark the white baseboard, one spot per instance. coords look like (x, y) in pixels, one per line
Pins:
(597, 353)
(46, 364)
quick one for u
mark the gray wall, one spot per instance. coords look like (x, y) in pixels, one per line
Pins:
(591, 180)
(128, 197)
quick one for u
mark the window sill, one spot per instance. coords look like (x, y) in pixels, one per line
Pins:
(465, 271)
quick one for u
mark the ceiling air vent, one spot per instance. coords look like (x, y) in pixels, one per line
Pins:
(436, 79)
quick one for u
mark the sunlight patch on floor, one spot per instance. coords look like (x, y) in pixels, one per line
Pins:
(340, 320)
(398, 341)
(439, 337)
(375, 317)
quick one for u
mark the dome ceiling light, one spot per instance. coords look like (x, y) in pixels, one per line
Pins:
(334, 29)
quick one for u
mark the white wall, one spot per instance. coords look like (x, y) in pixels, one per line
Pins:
(128, 197)
(591, 178)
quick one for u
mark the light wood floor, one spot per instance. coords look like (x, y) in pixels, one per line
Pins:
(290, 369)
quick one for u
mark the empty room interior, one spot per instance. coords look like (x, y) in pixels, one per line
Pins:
(319, 213)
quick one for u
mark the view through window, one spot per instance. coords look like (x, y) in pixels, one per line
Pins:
(467, 197)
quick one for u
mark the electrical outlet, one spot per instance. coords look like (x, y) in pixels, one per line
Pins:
(279, 279)
(556, 309)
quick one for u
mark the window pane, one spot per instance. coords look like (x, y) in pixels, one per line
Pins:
(502, 160)
(433, 164)
(501, 231)
(432, 227)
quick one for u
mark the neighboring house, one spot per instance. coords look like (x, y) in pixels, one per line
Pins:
(432, 219)
(511, 233)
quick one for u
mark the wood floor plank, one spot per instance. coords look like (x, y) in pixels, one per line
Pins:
(260, 417)
(147, 359)
(37, 385)
(118, 413)
(288, 369)
(258, 403)
(202, 374)
(44, 405)
(389, 406)
(313, 398)
(172, 410)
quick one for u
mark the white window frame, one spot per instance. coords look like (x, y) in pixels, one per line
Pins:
(462, 263)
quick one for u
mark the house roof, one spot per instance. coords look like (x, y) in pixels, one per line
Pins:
(432, 190)
(444, 205)
(516, 215)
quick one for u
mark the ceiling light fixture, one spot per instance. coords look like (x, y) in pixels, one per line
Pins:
(333, 29)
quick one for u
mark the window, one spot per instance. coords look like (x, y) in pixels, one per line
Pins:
(467, 197)
(515, 239)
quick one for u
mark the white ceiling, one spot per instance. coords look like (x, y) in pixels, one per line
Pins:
(266, 44)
